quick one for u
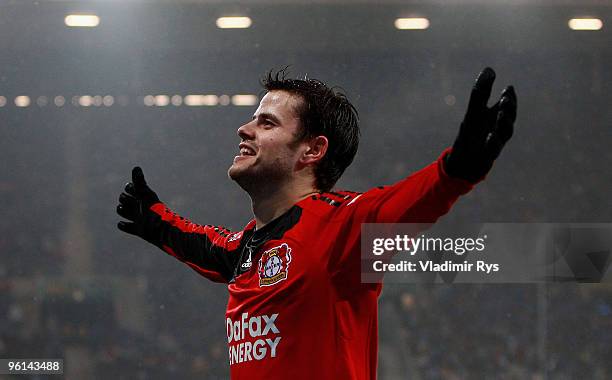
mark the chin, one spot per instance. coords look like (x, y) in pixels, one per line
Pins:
(236, 172)
(233, 172)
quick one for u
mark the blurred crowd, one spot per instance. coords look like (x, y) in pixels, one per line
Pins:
(426, 332)
(551, 331)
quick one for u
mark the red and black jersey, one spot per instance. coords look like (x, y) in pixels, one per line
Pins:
(297, 308)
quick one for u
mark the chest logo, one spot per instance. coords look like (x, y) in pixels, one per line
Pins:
(274, 264)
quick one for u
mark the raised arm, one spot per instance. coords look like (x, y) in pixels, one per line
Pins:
(203, 248)
(430, 192)
(426, 195)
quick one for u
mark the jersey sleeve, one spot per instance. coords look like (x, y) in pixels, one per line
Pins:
(420, 198)
(204, 248)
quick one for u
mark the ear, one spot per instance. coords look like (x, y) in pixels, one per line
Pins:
(316, 148)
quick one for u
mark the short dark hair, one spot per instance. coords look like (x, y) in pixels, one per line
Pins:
(324, 111)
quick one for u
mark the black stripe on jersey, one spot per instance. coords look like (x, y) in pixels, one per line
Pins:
(196, 248)
(330, 201)
(253, 240)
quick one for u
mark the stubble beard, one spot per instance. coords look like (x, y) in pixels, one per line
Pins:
(260, 179)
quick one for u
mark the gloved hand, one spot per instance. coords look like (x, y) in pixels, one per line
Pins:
(483, 132)
(135, 204)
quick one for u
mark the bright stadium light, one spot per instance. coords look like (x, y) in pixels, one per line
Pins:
(244, 100)
(83, 21)
(585, 24)
(85, 101)
(22, 101)
(162, 100)
(234, 22)
(201, 100)
(414, 23)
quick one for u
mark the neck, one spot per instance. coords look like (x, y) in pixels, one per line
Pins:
(269, 205)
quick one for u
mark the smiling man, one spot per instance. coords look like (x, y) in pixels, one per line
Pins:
(277, 161)
(296, 307)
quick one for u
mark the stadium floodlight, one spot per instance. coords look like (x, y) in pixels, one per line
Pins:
(108, 100)
(412, 23)
(234, 22)
(244, 100)
(22, 101)
(162, 100)
(585, 24)
(85, 101)
(201, 100)
(82, 20)
(148, 100)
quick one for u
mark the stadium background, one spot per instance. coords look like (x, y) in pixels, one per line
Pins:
(72, 286)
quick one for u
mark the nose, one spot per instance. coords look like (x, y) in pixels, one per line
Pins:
(246, 131)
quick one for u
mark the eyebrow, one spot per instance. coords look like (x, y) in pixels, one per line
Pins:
(265, 115)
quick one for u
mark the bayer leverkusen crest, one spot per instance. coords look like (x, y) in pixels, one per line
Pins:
(273, 265)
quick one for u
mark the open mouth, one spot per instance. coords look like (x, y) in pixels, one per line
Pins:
(246, 150)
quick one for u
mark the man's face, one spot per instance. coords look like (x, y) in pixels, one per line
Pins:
(268, 151)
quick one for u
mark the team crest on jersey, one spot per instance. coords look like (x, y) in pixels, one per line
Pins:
(274, 264)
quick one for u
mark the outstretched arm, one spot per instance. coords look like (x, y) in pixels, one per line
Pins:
(429, 193)
(426, 195)
(203, 248)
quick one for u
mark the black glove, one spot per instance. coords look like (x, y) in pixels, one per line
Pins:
(483, 132)
(135, 205)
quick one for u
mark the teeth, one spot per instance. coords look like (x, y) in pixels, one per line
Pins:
(246, 152)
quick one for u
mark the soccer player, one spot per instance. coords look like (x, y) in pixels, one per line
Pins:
(297, 308)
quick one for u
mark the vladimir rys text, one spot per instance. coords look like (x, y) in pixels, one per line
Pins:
(404, 244)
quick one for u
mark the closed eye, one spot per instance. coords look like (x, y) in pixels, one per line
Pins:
(266, 119)
(266, 123)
